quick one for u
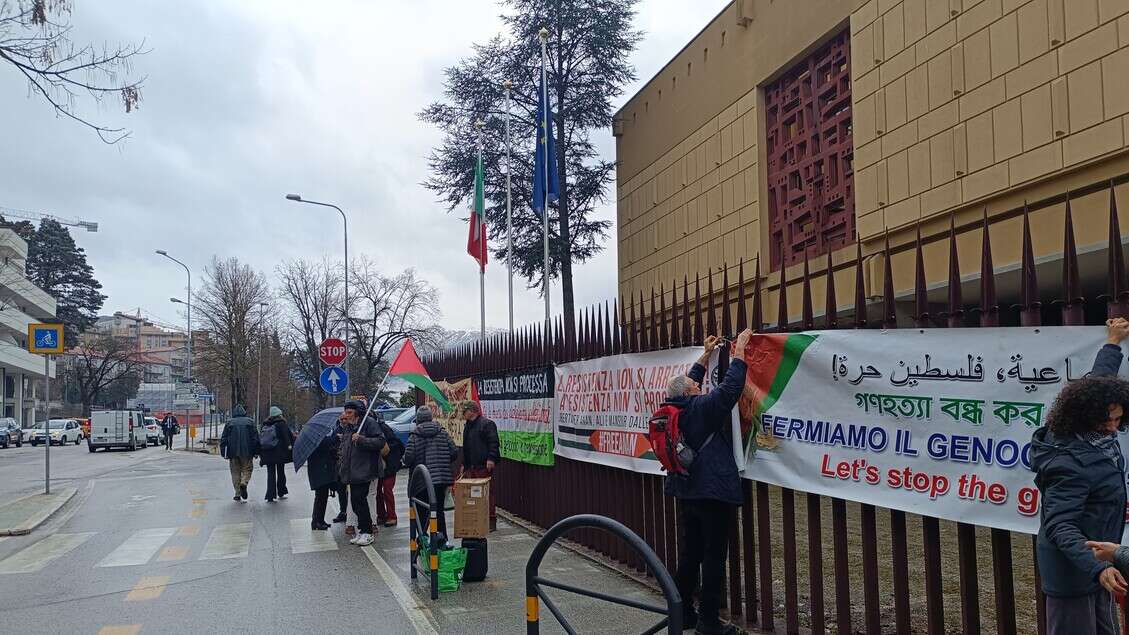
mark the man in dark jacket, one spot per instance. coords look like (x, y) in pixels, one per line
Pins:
(711, 490)
(1080, 473)
(168, 427)
(321, 471)
(359, 463)
(430, 445)
(480, 449)
(386, 496)
(239, 444)
(275, 458)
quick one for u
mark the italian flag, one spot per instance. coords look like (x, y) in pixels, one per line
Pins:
(476, 241)
(408, 367)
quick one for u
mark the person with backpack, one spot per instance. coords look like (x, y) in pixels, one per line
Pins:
(430, 445)
(275, 445)
(693, 440)
(393, 462)
(239, 444)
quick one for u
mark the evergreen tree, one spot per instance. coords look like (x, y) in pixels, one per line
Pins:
(587, 67)
(58, 266)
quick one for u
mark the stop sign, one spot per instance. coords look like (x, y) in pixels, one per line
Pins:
(332, 351)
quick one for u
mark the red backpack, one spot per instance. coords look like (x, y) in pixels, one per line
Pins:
(672, 451)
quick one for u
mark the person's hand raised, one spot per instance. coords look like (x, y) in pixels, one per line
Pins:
(1117, 330)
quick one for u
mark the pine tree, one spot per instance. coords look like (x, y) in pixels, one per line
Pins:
(588, 66)
(58, 266)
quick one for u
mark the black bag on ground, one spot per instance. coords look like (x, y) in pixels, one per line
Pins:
(477, 559)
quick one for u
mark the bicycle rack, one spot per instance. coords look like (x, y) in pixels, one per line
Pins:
(416, 528)
(533, 582)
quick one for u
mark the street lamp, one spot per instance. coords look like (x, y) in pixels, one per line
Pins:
(259, 370)
(297, 198)
(188, 303)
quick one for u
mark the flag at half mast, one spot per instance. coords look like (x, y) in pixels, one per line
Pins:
(476, 240)
(408, 367)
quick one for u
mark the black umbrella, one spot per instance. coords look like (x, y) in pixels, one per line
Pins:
(320, 426)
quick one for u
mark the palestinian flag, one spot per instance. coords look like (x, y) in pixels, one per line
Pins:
(408, 367)
(773, 359)
(476, 241)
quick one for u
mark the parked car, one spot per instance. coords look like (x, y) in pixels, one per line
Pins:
(62, 431)
(154, 433)
(117, 429)
(10, 433)
(403, 424)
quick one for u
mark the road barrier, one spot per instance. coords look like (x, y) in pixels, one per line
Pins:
(534, 582)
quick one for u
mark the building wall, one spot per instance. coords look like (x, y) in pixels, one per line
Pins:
(959, 106)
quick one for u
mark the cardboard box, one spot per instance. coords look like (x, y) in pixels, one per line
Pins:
(472, 508)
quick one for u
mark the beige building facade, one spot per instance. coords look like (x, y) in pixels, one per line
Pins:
(956, 109)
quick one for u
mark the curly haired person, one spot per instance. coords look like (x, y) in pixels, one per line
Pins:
(1080, 473)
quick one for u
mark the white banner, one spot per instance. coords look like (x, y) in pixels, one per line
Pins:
(935, 422)
(601, 406)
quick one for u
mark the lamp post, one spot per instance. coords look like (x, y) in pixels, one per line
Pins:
(297, 198)
(259, 369)
(188, 303)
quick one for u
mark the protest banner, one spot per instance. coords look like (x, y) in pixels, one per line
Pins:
(520, 403)
(602, 405)
(935, 422)
(456, 393)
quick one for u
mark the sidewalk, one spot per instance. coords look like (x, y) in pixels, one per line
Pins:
(497, 605)
(22, 515)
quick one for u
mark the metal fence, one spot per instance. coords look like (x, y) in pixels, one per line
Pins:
(766, 546)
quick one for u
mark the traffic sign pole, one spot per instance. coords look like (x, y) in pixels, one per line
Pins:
(47, 426)
(45, 340)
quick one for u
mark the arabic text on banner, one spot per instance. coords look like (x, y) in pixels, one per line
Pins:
(602, 405)
(520, 403)
(935, 422)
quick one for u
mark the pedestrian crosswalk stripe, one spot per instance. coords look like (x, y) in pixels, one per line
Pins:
(139, 548)
(40, 554)
(228, 541)
(306, 540)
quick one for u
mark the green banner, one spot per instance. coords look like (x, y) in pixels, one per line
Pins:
(520, 403)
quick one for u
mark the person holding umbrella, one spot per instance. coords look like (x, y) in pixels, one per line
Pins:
(316, 445)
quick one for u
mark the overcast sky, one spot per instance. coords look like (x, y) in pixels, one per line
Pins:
(246, 101)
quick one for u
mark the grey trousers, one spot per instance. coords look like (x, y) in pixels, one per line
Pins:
(1095, 614)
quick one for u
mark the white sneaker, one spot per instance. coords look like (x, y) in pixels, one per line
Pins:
(353, 540)
(363, 540)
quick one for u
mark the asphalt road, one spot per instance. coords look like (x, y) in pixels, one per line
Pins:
(153, 543)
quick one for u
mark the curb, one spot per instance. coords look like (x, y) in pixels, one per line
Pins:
(61, 498)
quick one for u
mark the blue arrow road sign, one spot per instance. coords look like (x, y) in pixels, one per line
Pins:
(334, 380)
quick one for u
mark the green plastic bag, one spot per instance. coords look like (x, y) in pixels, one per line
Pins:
(451, 564)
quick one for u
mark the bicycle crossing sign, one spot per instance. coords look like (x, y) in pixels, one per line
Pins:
(45, 339)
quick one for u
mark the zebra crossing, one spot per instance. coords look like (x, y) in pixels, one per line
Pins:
(145, 546)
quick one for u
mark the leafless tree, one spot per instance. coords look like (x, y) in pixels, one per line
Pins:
(35, 40)
(386, 311)
(312, 294)
(99, 361)
(229, 302)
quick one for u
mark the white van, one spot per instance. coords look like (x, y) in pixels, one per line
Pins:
(117, 429)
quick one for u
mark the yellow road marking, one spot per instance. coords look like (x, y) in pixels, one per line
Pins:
(148, 588)
(189, 530)
(199, 512)
(120, 629)
(199, 501)
(172, 553)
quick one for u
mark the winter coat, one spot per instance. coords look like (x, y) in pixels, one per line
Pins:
(359, 461)
(168, 425)
(279, 454)
(713, 476)
(321, 467)
(480, 443)
(1083, 498)
(430, 445)
(394, 461)
(240, 439)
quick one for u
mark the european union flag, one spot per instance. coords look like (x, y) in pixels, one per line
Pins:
(545, 159)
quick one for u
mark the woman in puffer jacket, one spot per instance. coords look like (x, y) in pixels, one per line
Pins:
(430, 445)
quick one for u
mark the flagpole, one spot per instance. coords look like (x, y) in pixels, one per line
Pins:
(544, 36)
(509, 214)
(480, 124)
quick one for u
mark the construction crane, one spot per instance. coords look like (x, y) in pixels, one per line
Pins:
(8, 212)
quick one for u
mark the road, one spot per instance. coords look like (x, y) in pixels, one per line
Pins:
(153, 543)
